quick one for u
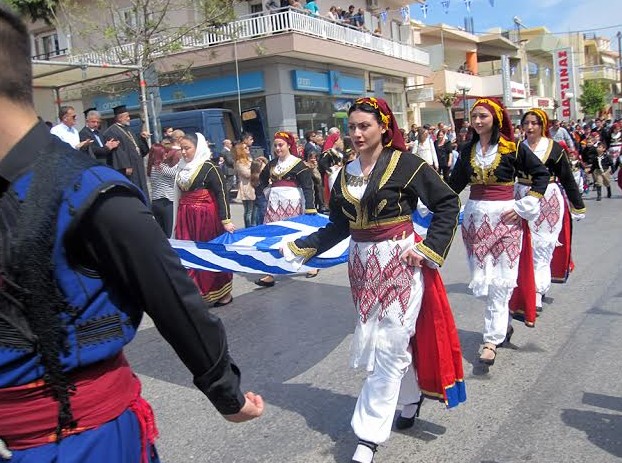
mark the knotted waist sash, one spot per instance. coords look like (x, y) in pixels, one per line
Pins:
(492, 192)
(29, 414)
(392, 231)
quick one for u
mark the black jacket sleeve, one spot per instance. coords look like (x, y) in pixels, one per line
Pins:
(460, 174)
(562, 169)
(212, 180)
(305, 180)
(529, 163)
(430, 188)
(337, 229)
(120, 240)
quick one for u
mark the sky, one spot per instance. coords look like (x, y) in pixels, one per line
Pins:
(558, 16)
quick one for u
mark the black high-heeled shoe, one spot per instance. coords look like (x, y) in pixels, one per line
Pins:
(508, 336)
(405, 423)
(370, 445)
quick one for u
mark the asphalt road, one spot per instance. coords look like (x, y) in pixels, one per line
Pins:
(555, 396)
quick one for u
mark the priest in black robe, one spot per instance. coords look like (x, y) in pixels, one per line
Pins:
(128, 156)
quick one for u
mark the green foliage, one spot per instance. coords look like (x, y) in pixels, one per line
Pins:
(447, 99)
(593, 97)
(35, 9)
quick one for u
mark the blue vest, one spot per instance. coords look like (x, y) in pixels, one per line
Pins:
(96, 328)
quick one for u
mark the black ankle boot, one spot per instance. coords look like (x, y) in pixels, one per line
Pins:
(608, 192)
(599, 193)
(405, 423)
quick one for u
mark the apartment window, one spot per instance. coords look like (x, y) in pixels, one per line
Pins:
(256, 8)
(48, 45)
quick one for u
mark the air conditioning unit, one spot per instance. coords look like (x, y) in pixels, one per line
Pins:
(372, 4)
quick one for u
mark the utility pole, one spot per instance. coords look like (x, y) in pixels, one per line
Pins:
(619, 36)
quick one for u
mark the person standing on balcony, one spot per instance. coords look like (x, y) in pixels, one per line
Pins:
(395, 285)
(127, 157)
(312, 7)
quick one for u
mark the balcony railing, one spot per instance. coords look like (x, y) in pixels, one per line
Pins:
(600, 72)
(256, 26)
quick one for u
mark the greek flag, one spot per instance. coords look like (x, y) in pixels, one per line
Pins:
(383, 16)
(405, 13)
(445, 4)
(467, 3)
(424, 9)
(256, 249)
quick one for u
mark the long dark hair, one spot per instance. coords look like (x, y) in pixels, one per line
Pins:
(369, 199)
(494, 136)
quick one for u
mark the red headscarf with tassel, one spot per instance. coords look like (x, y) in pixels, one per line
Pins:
(288, 138)
(498, 111)
(392, 138)
(542, 118)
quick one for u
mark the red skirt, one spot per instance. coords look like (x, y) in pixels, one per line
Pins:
(562, 264)
(198, 220)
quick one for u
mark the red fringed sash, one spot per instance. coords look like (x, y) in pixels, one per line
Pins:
(561, 264)
(436, 347)
(523, 301)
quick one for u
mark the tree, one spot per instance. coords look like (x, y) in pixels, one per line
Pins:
(448, 100)
(35, 9)
(593, 97)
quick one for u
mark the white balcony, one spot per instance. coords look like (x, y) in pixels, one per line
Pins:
(261, 26)
(600, 72)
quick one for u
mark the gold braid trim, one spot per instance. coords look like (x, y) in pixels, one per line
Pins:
(578, 211)
(395, 158)
(535, 194)
(506, 146)
(430, 254)
(307, 253)
(311, 211)
(226, 221)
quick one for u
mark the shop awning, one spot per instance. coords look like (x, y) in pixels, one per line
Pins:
(60, 74)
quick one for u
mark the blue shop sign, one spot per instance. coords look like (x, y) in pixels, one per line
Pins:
(332, 82)
(203, 89)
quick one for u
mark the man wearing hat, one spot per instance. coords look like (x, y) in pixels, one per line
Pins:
(96, 146)
(127, 157)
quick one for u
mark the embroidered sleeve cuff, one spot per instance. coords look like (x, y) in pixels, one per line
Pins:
(305, 253)
(310, 211)
(578, 211)
(430, 254)
(535, 194)
(226, 221)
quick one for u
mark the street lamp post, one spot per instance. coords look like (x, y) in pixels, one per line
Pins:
(464, 88)
(619, 36)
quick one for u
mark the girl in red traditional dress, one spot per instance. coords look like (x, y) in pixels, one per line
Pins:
(395, 290)
(203, 212)
(492, 226)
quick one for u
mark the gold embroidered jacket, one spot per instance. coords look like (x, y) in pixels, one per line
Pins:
(556, 161)
(210, 178)
(298, 173)
(407, 179)
(507, 165)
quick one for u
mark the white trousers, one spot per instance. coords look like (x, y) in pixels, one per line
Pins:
(393, 382)
(542, 256)
(497, 313)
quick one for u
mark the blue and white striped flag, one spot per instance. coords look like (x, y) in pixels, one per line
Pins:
(467, 3)
(383, 16)
(445, 4)
(256, 249)
(424, 9)
(405, 13)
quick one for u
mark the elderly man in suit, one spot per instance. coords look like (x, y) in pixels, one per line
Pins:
(97, 148)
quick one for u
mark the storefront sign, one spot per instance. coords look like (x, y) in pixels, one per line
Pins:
(201, 89)
(332, 82)
(564, 73)
(543, 103)
(517, 90)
